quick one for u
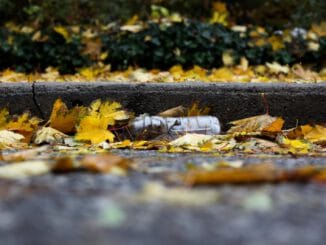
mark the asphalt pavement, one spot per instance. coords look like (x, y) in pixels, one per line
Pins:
(145, 208)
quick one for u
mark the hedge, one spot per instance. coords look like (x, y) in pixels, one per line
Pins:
(157, 46)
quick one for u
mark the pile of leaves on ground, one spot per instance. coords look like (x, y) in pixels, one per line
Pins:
(169, 48)
(81, 138)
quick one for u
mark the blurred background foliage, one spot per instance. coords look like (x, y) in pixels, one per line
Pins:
(274, 13)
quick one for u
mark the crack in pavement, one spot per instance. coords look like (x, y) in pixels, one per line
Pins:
(35, 101)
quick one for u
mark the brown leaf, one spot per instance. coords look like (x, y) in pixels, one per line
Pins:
(313, 133)
(179, 111)
(30, 154)
(257, 124)
(93, 48)
(64, 119)
(105, 163)
(24, 124)
(251, 174)
(65, 164)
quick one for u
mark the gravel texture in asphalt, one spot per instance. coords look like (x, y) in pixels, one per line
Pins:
(84, 208)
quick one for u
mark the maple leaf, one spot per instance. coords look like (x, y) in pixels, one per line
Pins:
(4, 113)
(195, 110)
(93, 129)
(313, 133)
(257, 124)
(94, 126)
(23, 124)
(64, 119)
(317, 135)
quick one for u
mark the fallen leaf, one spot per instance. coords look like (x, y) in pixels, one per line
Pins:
(4, 113)
(132, 28)
(24, 169)
(295, 146)
(250, 174)
(24, 124)
(178, 111)
(227, 58)
(308, 75)
(65, 164)
(93, 48)
(191, 140)
(9, 139)
(316, 135)
(94, 126)
(257, 124)
(195, 110)
(29, 154)
(156, 192)
(64, 119)
(276, 68)
(63, 32)
(49, 135)
(105, 163)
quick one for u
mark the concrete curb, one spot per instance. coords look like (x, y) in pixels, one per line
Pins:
(300, 103)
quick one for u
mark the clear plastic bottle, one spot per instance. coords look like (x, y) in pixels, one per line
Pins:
(149, 127)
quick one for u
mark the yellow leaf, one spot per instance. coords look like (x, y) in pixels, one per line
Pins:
(317, 134)
(194, 110)
(227, 58)
(94, 126)
(276, 68)
(220, 13)
(319, 29)
(64, 119)
(295, 146)
(3, 117)
(223, 74)
(133, 20)
(93, 129)
(23, 124)
(63, 32)
(276, 42)
(275, 126)
(219, 7)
